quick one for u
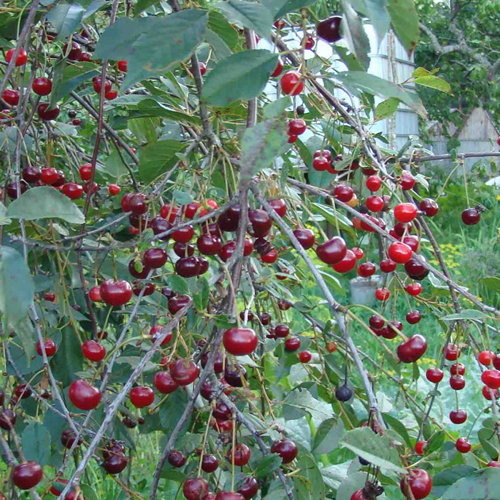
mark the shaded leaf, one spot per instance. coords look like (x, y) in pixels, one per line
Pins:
(354, 33)
(328, 436)
(491, 282)
(480, 485)
(445, 478)
(250, 15)
(267, 465)
(465, 314)
(404, 19)
(308, 482)
(281, 7)
(349, 485)
(65, 18)
(36, 443)
(375, 11)
(157, 158)
(386, 108)
(219, 25)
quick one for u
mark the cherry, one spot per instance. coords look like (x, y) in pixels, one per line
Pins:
(208, 244)
(419, 482)
(249, 488)
(11, 97)
(366, 269)
(491, 378)
(462, 445)
(458, 416)
(457, 369)
(486, 358)
(75, 51)
(400, 252)
(176, 458)
(413, 317)
(415, 270)
(265, 318)
(457, 382)
(306, 237)
(429, 207)
(97, 84)
(297, 127)
(452, 352)
(175, 304)
(359, 494)
(305, 357)
(374, 203)
(376, 322)
(21, 58)
(87, 187)
(138, 270)
(85, 57)
(45, 113)
(42, 86)
(86, 172)
(487, 393)
(493, 464)
(407, 181)
(329, 29)
(241, 455)
(141, 397)
(228, 495)
(348, 263)
(412, 241)
(93, 351)
(195, 488)
(434, 375)
(343, 193)
(209, 463)
(122, 66)
(387, 266)
(278, 69)
(72, 190)
(471, 216)
(95, 294)
(184, 372)
(68, 438)
(343, 393)
(292, 344)
(27, 475)
(382, 294)
(412, 350)
(292, 83)
(332, 251)
(281, 331)
(164, 383)
(286, 449)
(358, 253)
(414, 289)
(405, 212)
(420, 447)
(32, 174)
(240, 341)
(114, 189)
(61, 179)
(228, 249)
(159, 225)
(496, 362)
(234, 377)
(116, 292)
(183, 234)
(154, 258)
(22, 391)
(321, 164)
(270, 257)
(83, 395)
(115, 463)
(50, 348)
(187, 267)
(261, 222)
(169, 212)
(138, 204)
(373, 183)
(7, 419)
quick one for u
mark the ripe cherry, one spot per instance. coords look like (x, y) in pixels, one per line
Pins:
(176, 458)
(270, 257)
(93, 351)
(321, 163)
(373, 183)
(86, 172)
(209, 463)
(122, 66)
(21, 58)
(83, 395)
(68, 438)
(138, 204)
(50, 348)
(413, 317)
(407, 181)
(27, 475)
(306, 237)
(97, 84)
(95, 294)
(249, 488)
(419, 482)
(366, 269)
(278, 69)
(343, 193)
(292, 344)
(420, 447)
(42, 86)
(175, 304)
(457, 382)
(348, 263)
(188, 267)
(116, 293)
(154, 258)
(7, 419)
(415, 269)
(11, 97)
(471, 216)
(241, 455)
(297, 126)
(292, 83)
(458, 416)
(208, 244)
(486, 358)
(31, 174)
(414, 289)
(343, 393)
(332, 251)
(412, 350)
(452, 352)
(358, 252)
(72, 190)
(261, 222)
(457, 369)
(376, 322)
(113, 189)
(164, 382)
(374, 203)
(487, 393)
(141, 397)
(240, 341)
(305, 357)
(434, 375)
(195, 489)
(138, 270)
(387, 266)
(329, 29)
(491, 378)
(44, 113)
(429, 207)
(279, 206)
(462, 445)
(184, 372)
(115, 463)
(309, 43)
(400, 252)
(405, 212)
(286, 449)
(382, 294)
(281, 331)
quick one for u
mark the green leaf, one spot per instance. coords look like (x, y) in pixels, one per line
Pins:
(200, 299)
(435, 442)
(397, 426)
(375, 11)
(151, 108)
(386, 108)
(4, 220)
(480, 485)
(158, 158)
(221, 49)
(151, 45)
(178, 284)
(354, 33)
(465, 314)
(240, 76)
(261, 144)
(375, 85)
(445, 478)
(491, 282)
(142, 5)
(328, 436)
(434, 82)
(404, 19)
(251, 15)
(36, 443)
(333, 216)
(89, 492)
(172, 410)
(218, 24)
(65, 18)
(68, 359)
(300, 401)
(489, 441)
(45, 203)
(277, 107)
(378, 450)
(308, 483)
(333, 282)
(267, 465)
(349, 59)
(281, 7)
(16, 286)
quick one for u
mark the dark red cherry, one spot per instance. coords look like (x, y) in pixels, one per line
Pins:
(234, 376)
(332, 251)
(27, 475)
(45, 113)
(376, 322)
(195, 489)
(261, 222)
(184, 373)
(292, 83)
(296, 127)
(11, 96)
(138, 204)
(164, 383)
(93, 351)
(32, 174)
(329, 29)
(429, 207)
(183, 249)
(305, 357)
(279, 205)
(241, 455)
(306, 237)
(7, 419)
(23, 391)
(73, 52)
(141, 397)
(154, 258)
(208, 244)
(50, 348)
(292, 344)
(42, 86)
(412, 350)
(187, 267)
(249, 488)
(68, 438)
(209, 463)
(138, 270)
(12, 189)
(413, 317)
(240, 341)
(286, 449)
(175, 304)
(416, 270)
(343, 193)
(452, 352)
(457, 382)
(176, 458)
(183, 234)
(434, 375)
(366, 269)
(159, 225)
(116, 293)
(407, 181)
(462, 445)
(457, 369)
(72, 190)
(419, 482)
(471, 216)
(115, 463)
(228, 221)
(458, 416)
(388, 266)
(265, 318)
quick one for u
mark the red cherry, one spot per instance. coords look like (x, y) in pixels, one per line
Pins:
(486, 358)
(93, 351)
(496, 362)
(457, 369)
(329, 29)
(86, 172)
(452, 352)
(195, 489)
(21, 58)
(305, 357)
(7, 419)
(85, 57)
(292, 344)
(374, 203)
(184, 373)
(358, 495)
(122, 66)
(154, 258)
(27, 475)
(407, 181)
(113, 189)
(116, 293)
(164, 383)
(487, 393)
(321, 164)
(366, 269)
(306, 237)
(74, 52)
(208, 244)
(72, 190)
(97, 84)
(491, 378)
(291, 83)
(286, 449)
(462, 445)
(413, 317)
(412, 350)
(331, 347)
(457, 382)
(141, 397)
(343, 193)
(419, 482)
(188, 267)
(138, 204)
(387, 266)
(332, 251)
(184, 234)
(228, 495)
(42, 86)
(297, 126)
(49, 175)
(249, 488)
(175, 304)
(414, 289)
(261, 222)
(50, 348)
(358, 252)
(416, 270)
(429, 207)
(405, 212)
(115, 463)
(156, 332)
(471, 216)
(458, 416)
(348, 263)
(493, 464)
(169, 212)
(241, 455)
(382, 294)
(240, 341)
(176, 458)
(11, 97)
(95, 294)
(44, 113)
(278, 69)
(420, 447)
(83, 395)
(412, 241)
(376, 322)
(373, 183)
(32, 174)
(270, 257)
(400, 252)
